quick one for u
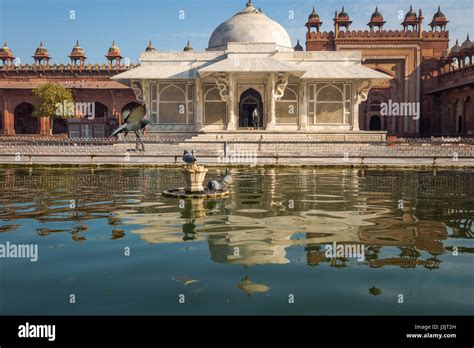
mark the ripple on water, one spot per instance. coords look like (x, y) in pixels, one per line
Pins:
(252, 210)
(8, 228)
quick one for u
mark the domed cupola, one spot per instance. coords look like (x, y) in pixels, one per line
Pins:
(249, 26)
(6, 55)
(439, 20)
(456, 49)
(411, 20)
(376, 20)
(113, 54)
(41, 54)
(77, 54)
(466, 45)
(342, 19)
(314, 21)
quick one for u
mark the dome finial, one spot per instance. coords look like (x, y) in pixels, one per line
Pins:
(188, 47)
(150, 47)
(298, 47)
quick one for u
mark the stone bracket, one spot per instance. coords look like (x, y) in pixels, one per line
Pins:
(138, 90)
(280, 87)
(363, 91)
(222, 85)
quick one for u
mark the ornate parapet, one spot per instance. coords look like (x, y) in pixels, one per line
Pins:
(20, 68)
(378, 34)
(318, 35)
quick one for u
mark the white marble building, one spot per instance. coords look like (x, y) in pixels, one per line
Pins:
(249, 65)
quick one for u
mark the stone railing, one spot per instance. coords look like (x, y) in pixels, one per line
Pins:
(437, 140)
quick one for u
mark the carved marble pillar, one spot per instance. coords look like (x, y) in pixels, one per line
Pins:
(146, 99)
(272, 83)
(199, 105)
(303, 105)
(361, 93)
(277, 87)
(231, 102)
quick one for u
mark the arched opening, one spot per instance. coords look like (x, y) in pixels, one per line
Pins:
(375, 123)
(249, 101)
(172, 103)
(215, 110)
(287, 106)
(25, 123)
(100, 110)
(375, 107)
(330, 103)
(59, 126)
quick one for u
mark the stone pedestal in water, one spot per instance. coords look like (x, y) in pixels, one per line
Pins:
(193, 178)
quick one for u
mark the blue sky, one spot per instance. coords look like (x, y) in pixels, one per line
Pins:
(24, 23)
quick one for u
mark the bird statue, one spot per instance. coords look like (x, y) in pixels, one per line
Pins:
(133, 122)
(189, 158)
(226, 180)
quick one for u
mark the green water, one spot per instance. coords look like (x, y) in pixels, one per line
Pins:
(108, 237)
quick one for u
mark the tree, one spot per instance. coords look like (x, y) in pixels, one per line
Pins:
(54, 101)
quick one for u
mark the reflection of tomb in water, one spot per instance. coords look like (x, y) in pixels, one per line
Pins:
(407, 233)
(342, 207)
(245, 240)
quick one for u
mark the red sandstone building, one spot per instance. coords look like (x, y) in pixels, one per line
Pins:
(424, 70)
(89, 83)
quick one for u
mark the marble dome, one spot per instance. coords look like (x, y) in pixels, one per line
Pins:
(249, 25)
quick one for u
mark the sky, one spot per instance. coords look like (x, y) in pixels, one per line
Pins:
(170, 23)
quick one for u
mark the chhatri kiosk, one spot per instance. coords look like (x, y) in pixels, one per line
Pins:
(250, 64)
